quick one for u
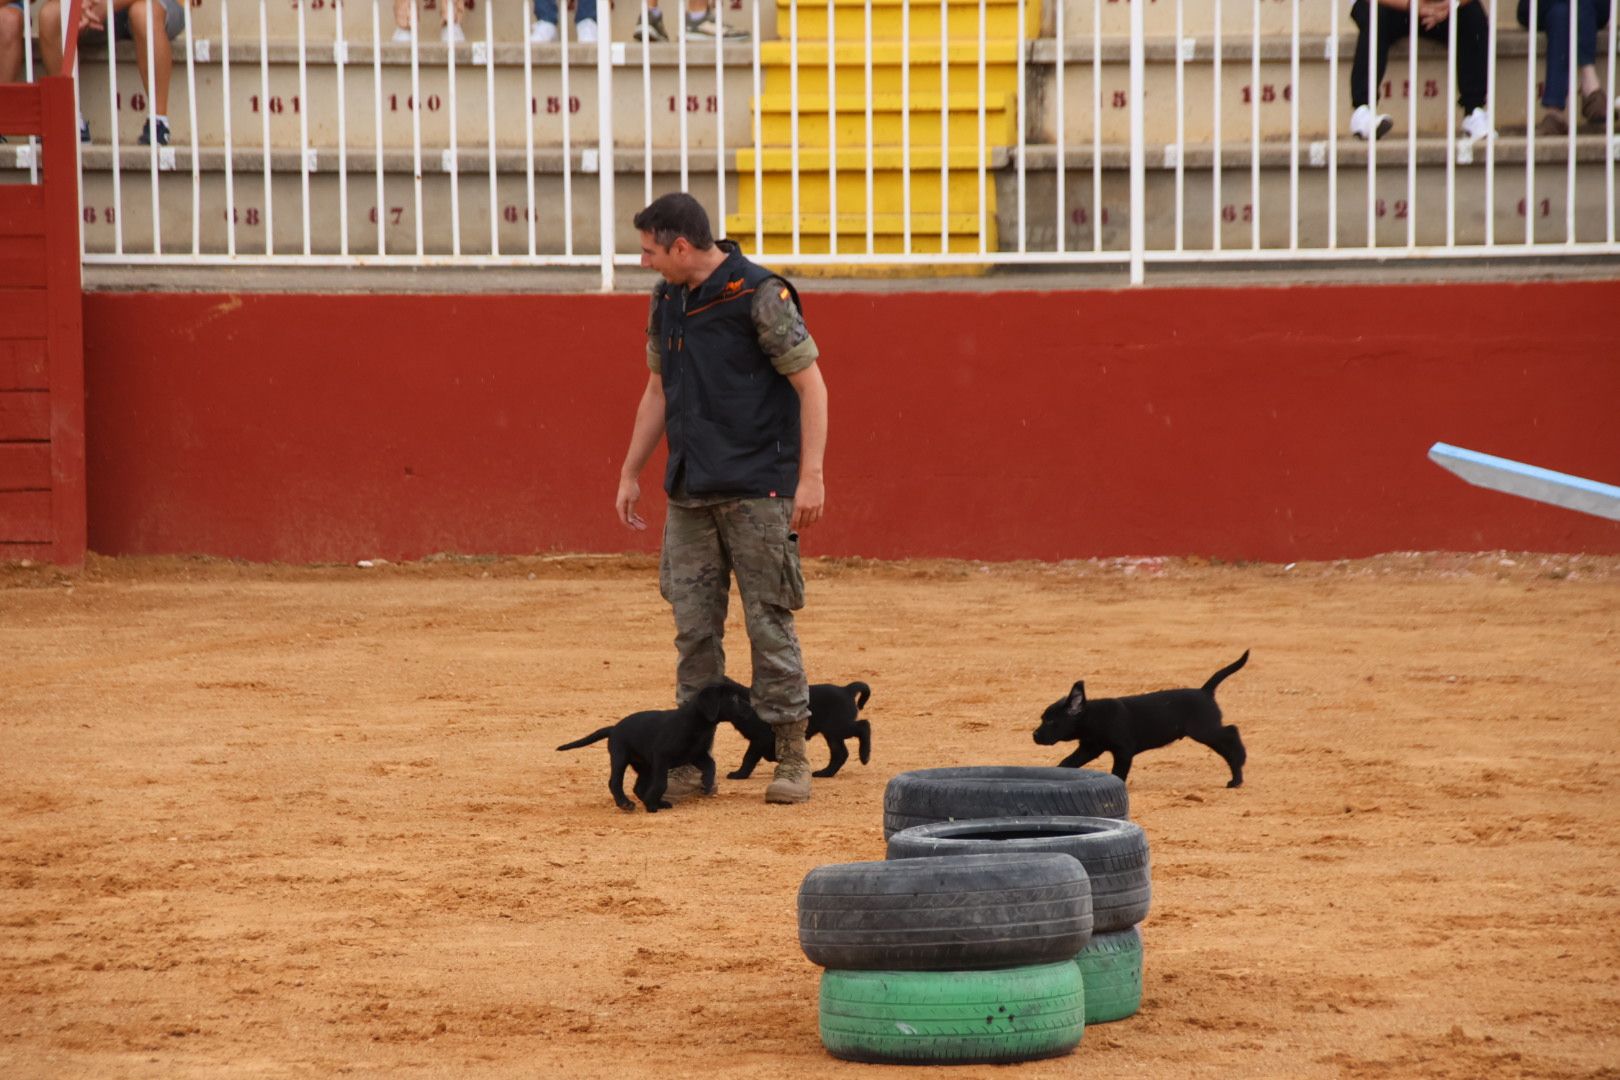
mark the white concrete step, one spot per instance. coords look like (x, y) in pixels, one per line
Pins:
(573, 198)
(506, 22)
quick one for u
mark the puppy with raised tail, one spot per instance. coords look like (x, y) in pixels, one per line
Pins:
(835, 715)
(655, 741)
(1127, 726)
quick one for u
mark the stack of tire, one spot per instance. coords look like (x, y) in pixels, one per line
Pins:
(1002, 924)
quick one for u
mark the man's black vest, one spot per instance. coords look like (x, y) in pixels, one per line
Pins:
(732, 420)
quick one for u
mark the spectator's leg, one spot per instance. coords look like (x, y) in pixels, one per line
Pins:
(11, 43)
(1358, 69)
(449, 11)
(1555, 82)
(156, 80)
(402, 13)
(1391, 26)
(49, 22)
(1591, 17)
(584, 9)
(545, 11)
(1473, 60)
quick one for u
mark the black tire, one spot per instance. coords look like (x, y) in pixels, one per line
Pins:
(1114, 853)
(1111, 968)
(956, 913)
(953, 1017)
(924, 796)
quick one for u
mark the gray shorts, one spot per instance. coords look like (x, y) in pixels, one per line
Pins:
(174, 21)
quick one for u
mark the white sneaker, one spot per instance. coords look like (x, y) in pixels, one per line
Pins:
(1476, 125)
(542, 33)
(402, 36)
(1366, 124)
(452, 35)
(585, 31)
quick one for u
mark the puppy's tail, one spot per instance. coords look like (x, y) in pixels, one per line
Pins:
(863, 732)
(595, 736)
(1217, 678)
(863, 694)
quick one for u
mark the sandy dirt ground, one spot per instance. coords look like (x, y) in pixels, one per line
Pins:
(295, 822)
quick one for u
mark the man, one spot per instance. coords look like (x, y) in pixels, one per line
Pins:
(131, 20)
(1394, 21)
(735, 387)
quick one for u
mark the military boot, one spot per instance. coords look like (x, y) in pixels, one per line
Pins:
(792, 781)
(684, 782)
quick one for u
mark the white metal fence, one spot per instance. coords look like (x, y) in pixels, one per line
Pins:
(1091, 131)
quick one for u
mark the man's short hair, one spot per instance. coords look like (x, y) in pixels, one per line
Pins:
(675, 215)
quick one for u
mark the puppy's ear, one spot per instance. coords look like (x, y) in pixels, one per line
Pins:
(1077, 698)
(708, 702)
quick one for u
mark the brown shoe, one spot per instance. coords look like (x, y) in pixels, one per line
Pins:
(792, 781)
(1552, 123)
(684, 782)
(1595, 108)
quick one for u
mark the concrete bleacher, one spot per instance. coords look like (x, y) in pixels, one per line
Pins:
(720, 131)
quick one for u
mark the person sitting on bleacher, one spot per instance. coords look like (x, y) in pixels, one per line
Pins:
(1394, 23)
(129, 24)
(449, 21)
(699, 23)
(544, 29)
(1552, 16)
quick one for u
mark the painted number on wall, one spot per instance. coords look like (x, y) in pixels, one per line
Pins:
(395, 214)
(244, 215)
(695, 103)
(1431, 89)
(554, 105)
(1269, 93)
(275, 104)
(431, 103)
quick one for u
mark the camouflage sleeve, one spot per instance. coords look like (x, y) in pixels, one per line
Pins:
(655, 357)
(782, 333)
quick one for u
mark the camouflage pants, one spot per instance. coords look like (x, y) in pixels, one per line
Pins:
(703, 547)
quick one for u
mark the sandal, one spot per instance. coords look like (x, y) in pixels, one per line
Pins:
(1595, 108)
(1552, 123)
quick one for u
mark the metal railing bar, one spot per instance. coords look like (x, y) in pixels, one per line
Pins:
(340, 49)
(301, 107)
(264, 125)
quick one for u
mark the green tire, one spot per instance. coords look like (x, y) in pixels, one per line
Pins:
(953, 1017)
(1111, 968)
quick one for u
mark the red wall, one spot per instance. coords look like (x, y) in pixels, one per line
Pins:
(1259, 423)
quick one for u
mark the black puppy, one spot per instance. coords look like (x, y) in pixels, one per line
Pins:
(835, 714)
(1129, 725)
(657, 740)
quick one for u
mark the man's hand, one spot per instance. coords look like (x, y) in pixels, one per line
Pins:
(809, 502)
(629, 495)
(93, 15)
(1432, 13)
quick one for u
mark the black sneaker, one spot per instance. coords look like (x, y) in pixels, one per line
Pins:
(703, 27)
(653, 29)
(146, 134)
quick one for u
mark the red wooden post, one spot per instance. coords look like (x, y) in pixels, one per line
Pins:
(42, 459)
(64, 302)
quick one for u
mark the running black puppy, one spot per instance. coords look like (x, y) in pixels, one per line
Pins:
(657, 740)
(835, 714)
(1129, 725)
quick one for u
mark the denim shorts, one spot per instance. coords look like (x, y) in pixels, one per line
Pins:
(174, 21)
